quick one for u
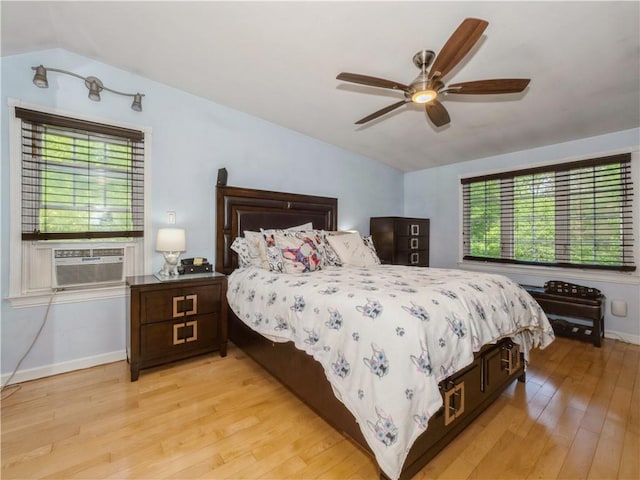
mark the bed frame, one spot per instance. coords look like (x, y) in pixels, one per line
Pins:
(466, 393)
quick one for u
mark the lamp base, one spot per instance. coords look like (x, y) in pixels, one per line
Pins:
(170, 267)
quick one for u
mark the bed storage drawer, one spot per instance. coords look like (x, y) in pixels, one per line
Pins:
(460, 393)
(500, 364)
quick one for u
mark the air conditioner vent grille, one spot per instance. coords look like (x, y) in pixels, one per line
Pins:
(87, 266)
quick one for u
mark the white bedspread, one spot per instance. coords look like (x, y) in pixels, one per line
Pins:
(386, 335)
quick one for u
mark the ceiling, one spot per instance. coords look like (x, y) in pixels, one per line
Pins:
(279, 61)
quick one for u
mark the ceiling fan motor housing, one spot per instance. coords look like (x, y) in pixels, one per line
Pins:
(423, 59)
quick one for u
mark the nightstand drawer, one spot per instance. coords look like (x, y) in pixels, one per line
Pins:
(162, 339)
(157, 306)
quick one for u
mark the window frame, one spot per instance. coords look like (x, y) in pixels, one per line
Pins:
(578, 273)
(22, 251)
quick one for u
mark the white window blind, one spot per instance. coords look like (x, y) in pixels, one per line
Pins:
(576, 214)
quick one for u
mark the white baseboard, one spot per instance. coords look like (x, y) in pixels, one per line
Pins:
(64, 367)
(622, 336)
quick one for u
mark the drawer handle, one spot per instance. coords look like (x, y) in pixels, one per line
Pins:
(414, 244)
(512, 363)
(415, 229)
(176, 332)
(194, 308)
(176, 327)
(176, 312)
(415, 258)
(453, 403)
(194, 335)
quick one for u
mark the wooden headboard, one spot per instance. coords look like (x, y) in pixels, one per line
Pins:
(240, 209)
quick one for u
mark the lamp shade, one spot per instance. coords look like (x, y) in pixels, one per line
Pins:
(171, 240)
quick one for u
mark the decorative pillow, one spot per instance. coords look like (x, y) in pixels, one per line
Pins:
(368, 241)
(329, 255)
(241, 246)
(299, 252)
(270, 255)
(352, 250)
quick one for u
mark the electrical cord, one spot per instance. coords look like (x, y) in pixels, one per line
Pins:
(35, 339)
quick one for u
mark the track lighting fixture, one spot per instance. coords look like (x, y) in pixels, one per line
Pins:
(94, 85)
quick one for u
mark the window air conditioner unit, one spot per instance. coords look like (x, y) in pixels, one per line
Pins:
(81, 267)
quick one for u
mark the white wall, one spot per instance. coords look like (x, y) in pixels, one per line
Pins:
(435, 193)
(192, 139)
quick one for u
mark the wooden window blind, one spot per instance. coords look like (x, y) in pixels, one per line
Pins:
(80, 180)
(576, 215)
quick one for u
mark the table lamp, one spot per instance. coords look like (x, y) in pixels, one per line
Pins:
(171, 242)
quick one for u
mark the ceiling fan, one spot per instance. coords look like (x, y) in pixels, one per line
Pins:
(428, 85)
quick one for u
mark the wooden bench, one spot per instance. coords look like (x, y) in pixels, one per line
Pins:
(576, 317)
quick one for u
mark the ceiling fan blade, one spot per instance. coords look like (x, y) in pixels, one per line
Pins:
(437, 113)
(458, 45)
(381, 112)
(481, 87)
(371, 81)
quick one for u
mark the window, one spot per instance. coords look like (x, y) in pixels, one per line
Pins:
(75, 183)
(80, 180)
(576, 214)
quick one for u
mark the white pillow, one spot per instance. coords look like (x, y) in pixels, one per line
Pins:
(368, 242)
(241, 246)
(352, 250)
(253, 250)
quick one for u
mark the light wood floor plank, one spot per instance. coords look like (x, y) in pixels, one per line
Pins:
(578, 416)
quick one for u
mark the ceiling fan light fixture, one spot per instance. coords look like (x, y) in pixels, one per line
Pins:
(424, 96)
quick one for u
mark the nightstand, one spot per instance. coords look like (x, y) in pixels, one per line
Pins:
(175, 319)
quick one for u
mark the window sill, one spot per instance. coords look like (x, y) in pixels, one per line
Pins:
(630, 278)
(40, 298)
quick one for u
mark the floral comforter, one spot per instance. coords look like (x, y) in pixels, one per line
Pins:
(387, 335)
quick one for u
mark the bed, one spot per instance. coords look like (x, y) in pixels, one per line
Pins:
(463, 393)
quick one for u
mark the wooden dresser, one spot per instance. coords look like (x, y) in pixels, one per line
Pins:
(175, 319)
(401, 240)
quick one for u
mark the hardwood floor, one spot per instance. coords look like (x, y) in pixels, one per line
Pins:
(578, 416)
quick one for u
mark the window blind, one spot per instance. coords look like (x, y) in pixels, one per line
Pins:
(80, 180)
(576, 215)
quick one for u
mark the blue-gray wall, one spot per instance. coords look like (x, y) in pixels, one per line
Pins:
(192, 139)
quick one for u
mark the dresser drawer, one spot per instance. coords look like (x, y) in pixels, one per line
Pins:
(411, 228)
(157, 306)
(176, 337)
(411, 243)
(418, 258)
